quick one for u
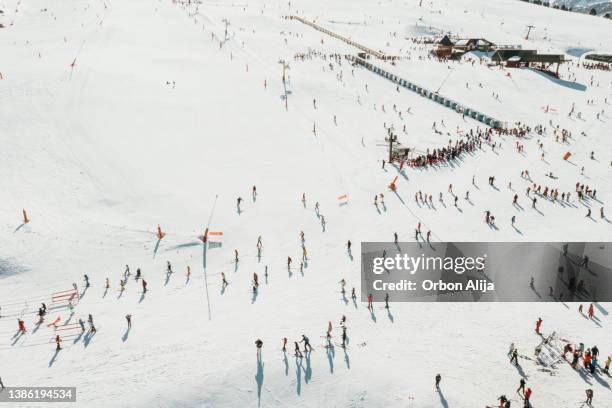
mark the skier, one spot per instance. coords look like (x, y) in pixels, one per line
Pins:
(289, 262)
(342, 285)
(58, 340)
(168, 267)
(258, 344)
(144, 286)
(589, 395)
(348, 246)
(306, 342)
(521, 386)
(591, 311)
(298, 353)
(284, 344)
(138, 273)
(21, 325)
(527, 396)
(82, 324)
(511, 349)
(370, 306)
(438, 379)
(254, 192)
(386, 300)
(1, 385)
(223, 280)
(128, 317)
(514, 357)
(238, 201)
(107, 286)
(344, 337)
(353, 294)
(607, 365)
(86, 279)
(538, 324)
(92, 328)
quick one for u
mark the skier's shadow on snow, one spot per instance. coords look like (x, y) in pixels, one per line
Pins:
(87, 338)
(52, 361)
(259, 377)
(372, 315)
(347, 360)
(83, 292)
(254, 297)
(601, 309)
(331, 353)
(142, 296)
(77, 338)
(584, 376)
(442, 399)
(518, 231)
(298, 375)
(167, 279)
(286, 363)
(390, 316)
(126, 334)
(156, 247)
(16, 337)
(601, 381)
(520, 371)
(308, 368)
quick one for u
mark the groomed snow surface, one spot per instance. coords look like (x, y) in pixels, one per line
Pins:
(117, 116)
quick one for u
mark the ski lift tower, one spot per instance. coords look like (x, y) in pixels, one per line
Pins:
(529, 27)
(286, 93)
(227, 23)
(392, 139)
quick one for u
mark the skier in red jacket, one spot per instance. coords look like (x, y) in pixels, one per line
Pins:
(538, 324)
(527, 396)
(21, 324)
(591, 311)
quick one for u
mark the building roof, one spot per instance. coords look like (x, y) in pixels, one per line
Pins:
(445, 41)
(543, 58)
(506, 54)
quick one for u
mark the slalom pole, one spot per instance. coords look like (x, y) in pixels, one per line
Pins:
(204, 259)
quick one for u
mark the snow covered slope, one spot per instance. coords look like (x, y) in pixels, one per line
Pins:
(117, 116)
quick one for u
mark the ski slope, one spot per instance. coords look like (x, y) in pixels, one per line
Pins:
(118, 116)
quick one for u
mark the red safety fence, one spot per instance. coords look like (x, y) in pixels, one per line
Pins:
(74, 326)
(65, 296)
